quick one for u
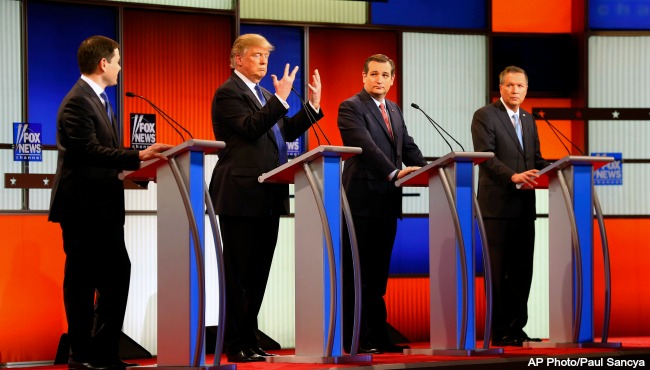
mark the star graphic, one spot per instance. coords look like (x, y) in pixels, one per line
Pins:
(13, 181)
(615, 114)
(541, 113)
(46, 181)
(578, 114)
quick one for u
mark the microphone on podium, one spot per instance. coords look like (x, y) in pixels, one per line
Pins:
(164, 115)
(438, 128)
(312, 119)
(555, 131)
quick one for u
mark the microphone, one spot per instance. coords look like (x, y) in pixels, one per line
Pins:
(555, 131)
(311, 118)
(438, 128)
(164, 115)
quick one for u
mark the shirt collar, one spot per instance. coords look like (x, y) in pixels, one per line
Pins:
(96, 88)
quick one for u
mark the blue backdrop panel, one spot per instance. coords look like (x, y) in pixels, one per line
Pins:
(289, 48)
(619, 14)
(431, 13)
(54, 33)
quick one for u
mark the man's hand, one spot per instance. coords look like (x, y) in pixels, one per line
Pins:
(315, 88)
(526, 178)
(154, 151)
(283, 86)
(406, 171)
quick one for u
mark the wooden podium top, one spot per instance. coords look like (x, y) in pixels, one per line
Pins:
(421, 177)
(286, 173)
(148, 169)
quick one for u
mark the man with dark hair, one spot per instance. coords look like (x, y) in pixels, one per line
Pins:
(375, 124)
(506, 130)
(252, 122)
(88, 201)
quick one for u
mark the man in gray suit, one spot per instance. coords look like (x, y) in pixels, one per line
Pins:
(509, 132)
(375, 124)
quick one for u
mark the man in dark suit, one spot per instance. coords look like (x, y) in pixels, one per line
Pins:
(375, 124)
(252, 122)
(88, 201)
(509, 132)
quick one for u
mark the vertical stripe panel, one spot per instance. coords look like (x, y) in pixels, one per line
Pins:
(316, 11)
(538, 301)
(11, 93)
(446, 76)
(39, 199)
(618, 78)
(205, 4)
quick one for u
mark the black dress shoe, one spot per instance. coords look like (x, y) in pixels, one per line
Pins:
(508, 341)
(122, 365)
(364, 349)
(258, 350)
(526, 338)
(245, 355)
(392, 347)
(76, 365)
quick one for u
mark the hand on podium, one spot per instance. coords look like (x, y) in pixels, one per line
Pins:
(525, 179)
(154, 151)
(406, 171)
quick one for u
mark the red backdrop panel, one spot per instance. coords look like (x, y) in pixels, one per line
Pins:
(177, 61)
(339, 56)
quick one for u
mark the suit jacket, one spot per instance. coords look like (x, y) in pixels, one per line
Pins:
(245, 126)
(493, 131)
(86, 187)
(365, 176)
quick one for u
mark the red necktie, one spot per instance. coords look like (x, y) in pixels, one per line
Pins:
(382, 108)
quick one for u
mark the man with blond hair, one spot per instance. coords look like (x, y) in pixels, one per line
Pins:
(252, 122)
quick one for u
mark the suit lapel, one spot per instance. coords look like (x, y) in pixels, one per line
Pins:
(509, 127)
(374, 109)
(255, 101)
(101, 109)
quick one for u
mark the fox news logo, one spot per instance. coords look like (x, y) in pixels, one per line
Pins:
(612, 172)
(143, 130)
(294, 148)
(27, 142)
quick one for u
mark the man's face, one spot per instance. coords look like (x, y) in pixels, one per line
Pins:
(513, 90)
(378, 80)
(253, 64)
(111, 68)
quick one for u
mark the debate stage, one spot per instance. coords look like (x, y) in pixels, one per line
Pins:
(634, 353)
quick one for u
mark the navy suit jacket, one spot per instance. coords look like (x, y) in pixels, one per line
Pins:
(86, 187)
(245, 126)
(493, 131)
(365, 176)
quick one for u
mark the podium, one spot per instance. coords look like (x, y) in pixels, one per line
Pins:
(182, 200)
(451, 253)
(318, 202)
(572, 199)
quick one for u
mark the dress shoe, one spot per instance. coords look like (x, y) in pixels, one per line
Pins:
(392, 347)
(77, 365)
(526, 338)
(245, 355)
(508, 341)
(122, 365)
(258, 350)
(364, 349)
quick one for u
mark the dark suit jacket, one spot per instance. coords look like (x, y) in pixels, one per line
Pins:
(244, 125)
(493, 131)
(86, 187)
(365, 176)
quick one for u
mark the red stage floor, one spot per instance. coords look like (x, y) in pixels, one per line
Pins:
(634, 353)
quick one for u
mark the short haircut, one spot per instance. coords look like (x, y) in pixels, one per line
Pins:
(379, 58)
(92, 50)
(511, 69)
(246, 41)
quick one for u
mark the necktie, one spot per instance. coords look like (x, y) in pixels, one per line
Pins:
(382, 108)
(107, 106)
(279, 140)
(515, 117)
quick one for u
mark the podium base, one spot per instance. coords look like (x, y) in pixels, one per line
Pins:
(297, 359)
(572, 345)
(205, 367)
(453, 352)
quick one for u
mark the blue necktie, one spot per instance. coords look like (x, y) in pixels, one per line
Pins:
(107, 106)
(282, 145)
(515, 117)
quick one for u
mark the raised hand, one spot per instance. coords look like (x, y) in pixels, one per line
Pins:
(283, 86)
